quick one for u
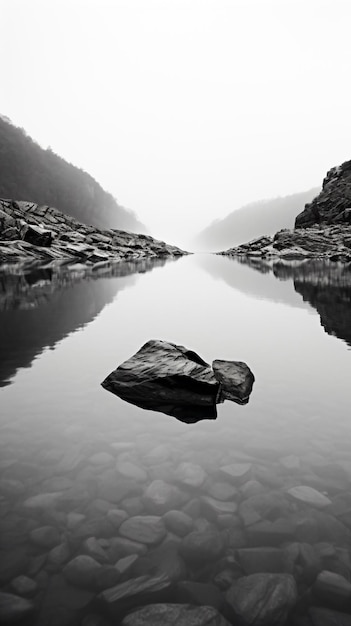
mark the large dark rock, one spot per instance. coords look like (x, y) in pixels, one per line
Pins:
(134, 592)
(13, 608)
(172, 379)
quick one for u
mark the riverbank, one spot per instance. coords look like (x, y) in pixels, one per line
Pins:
(31, 233)
(316, 242)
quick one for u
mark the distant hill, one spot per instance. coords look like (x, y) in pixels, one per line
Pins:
(253, 220)
(27, 172)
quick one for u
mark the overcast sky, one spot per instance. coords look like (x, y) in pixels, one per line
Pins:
(183, 109)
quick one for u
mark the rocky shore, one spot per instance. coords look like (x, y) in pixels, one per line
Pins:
(31, 233)
(322, 229)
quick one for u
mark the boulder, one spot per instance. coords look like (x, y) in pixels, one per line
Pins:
(81, 571)
(133, 592)
(235, 378)
(160, 497)
(174, 380)
(308, 495)
(199, 548)
(263, 599)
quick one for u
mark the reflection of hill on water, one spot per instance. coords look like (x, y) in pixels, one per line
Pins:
(324, 285)
(40, 307)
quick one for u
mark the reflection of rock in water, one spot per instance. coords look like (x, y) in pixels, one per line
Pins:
(40, 307)
(325, 285)
(171, 379)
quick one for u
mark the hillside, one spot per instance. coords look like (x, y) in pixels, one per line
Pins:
(27, 172)
(252, 220)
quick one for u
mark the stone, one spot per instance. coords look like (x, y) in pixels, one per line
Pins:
(190, 474)
(81, 571)
(36, 235)
(116, 517)
(13, 608)
(133, 506)
(200, 594)
(175, 615)
(271, 533)
(13, 562)
(112, 488)
(45, 536)
(162, 561)
(235, 378)
(199, 548)
(41, 502)
(308, 495)
(11, 488)
(166, 377)
(102, 459)
(160, 497)
(263, 559)
(263, 599)
(236, 473)
(332, 586)
(212, 508)
(125, 596)
(223, 491)
(92, 547)
(24, 586)
(120, 547)
(58, 556)
(131, 470)
(105, 577)
(327, 617)
(174, 380)
(148, 529)
(178, 522)
(125, 566)
(74, 519)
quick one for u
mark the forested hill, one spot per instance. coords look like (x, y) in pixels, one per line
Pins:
(253, 220)
(27, 172)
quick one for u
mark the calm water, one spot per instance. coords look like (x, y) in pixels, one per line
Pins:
(63, 434)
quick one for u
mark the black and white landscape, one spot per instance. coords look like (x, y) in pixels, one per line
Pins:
(174, 377)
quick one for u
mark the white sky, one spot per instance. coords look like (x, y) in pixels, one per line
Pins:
(183, 109)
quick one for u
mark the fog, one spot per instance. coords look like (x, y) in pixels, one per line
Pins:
(184, 109)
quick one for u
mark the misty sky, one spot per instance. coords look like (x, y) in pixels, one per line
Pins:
(183, 109)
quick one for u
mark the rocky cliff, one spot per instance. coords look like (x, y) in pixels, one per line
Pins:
(333, 204)
(322, 230)
(32, 233)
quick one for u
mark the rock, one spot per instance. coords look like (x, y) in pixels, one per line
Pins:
(200, 594)
(175, 615)
(326, 617)
(162, 561)
(235, 378)
(310, 496)
(131, 470)
(105, 577)
(41, 502)
(264, 559)
(333, 587)
(45, 536)
(81, 571)
(198, 548)
(178, 522)
(125, 566)
(236, 473)
(11, 488)
(271, 533)
(36, 235)
(121, 547)
(116, 517)
(24, 586)
(112, 488)
(133, 506)
(172, 379)
(14, 608)
(212, 508)
(74, 519)
(92, 547)
(263, 599)
(58, 556)
(13, 563)
(102, 459)
(166, 377)
(223, 491)
(159, 497)
(148, 529)
(133, 592)
(190, 474)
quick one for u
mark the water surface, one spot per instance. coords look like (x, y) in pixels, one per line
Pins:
(62, 334)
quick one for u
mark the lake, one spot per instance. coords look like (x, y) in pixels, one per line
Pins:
(262, 493)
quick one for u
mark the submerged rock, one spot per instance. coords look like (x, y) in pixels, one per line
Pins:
(14, 608)
(169, 378)
(175, 615)
(263, 599)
